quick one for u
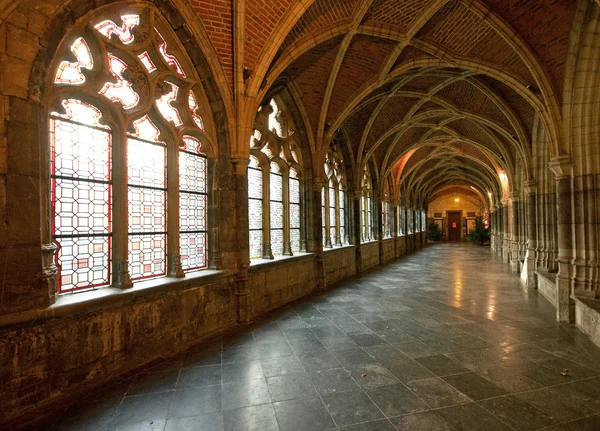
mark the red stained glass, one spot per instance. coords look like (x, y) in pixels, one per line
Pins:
(166, 108)
(170, 59)
(194, 110)
(124, 33)
(192, 205)
(70, 73)
(147, 61)
(81, 196)
(121, 91)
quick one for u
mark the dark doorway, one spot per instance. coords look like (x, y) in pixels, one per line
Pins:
(454, 225)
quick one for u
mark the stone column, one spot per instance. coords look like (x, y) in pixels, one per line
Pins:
(514, 232)
(499, 229)
(562, 168)
(357, 215)
(506, 231)
(242, 240)
(317, 221)
(531, 191)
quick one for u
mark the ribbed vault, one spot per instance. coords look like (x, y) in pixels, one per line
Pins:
(429, 92)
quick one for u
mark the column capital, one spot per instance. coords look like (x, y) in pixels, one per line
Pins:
(561, 166)
(318, 184)
(357, 194)
(514, 196)
(239, 165)
(530, 187)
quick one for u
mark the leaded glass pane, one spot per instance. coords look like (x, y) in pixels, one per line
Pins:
(81, 197)
(276, 215)
(276, 187)
(277, 242)
(255, 214)
(192, 211)
(256, 244)
(295, 240)
(255, 187)
(294, 191)
(146, 164)
(193, 250)
(294, 216)
(147, 256)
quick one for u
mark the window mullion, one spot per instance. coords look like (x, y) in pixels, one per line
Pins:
(267, 251)
(327, 217)
(174, 268)
(121, 275)
(287, 247)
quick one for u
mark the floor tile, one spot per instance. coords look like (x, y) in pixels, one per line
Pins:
(331, 381)
(429, 421)
(290, 387)
(395, 400)
(436, 393)
(281, 366)
(372, 375)
(554, 405)
(517, 413)
(351, 407)
(474, 386)
(320, 361)
(378, 425)
(143, 408)
(416, 349)
(353, 357)
(245, 393)
(471, 417)
(199, 376)
(254, 418)
(305, 414)
(207, 422)
(441, 365)
(234, 371)
(197, 401)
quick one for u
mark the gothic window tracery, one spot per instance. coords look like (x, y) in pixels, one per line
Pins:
(333, 200)
(274, 186)
(120, 114)
(367, 207)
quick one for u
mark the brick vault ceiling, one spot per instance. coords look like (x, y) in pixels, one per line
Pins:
(425, 87)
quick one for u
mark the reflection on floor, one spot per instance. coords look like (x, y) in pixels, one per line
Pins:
(444, 339)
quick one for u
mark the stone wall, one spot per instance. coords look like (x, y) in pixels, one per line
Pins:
(388, 250)
(339, 264)
(400, 246)
(58, 354)
(275, 283)
(370, 255)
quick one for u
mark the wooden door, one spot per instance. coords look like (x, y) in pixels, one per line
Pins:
(454, 225)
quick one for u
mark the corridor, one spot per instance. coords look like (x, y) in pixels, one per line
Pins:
(443, 339)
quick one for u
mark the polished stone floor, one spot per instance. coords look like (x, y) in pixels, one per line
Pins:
(443, 339)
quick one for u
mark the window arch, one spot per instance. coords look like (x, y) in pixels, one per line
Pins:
(274, 186)
(367, 207)
(333, 200)
(387, 211)
(128, 154)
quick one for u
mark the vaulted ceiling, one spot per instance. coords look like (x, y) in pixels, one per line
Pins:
(434, 92)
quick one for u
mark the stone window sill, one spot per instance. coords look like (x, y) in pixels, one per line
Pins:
(338, 248)
(278, 260)
(373, 241)
(106, 298)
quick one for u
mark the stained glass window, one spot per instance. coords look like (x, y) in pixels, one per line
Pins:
(294, 211)
(342, 216)
(280, 165)
(334, 223)
(332, 213)
(192, 204)
(147, 199)
(82, 200)
(367, 227)
(81, 172)
(276, 203)
(409, 222)
(255, 208)
(324, 216)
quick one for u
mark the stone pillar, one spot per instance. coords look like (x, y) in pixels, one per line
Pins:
(317, 221)
(562, 168)
(357, 215)
(499, 229)
(514, 232)
(531, 191)
(242, 288)
(505, 232)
